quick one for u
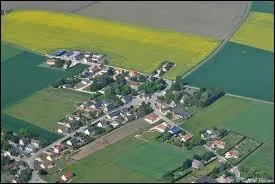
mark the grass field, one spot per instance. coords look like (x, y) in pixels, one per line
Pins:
(257, 31)
(128, 46)
(239, 70)
(8, 51)
(245, 148)
(230, 140)
(249, 118)
(129, 160)
(46, 107)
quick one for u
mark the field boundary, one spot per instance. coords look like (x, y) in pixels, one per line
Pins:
(22, 48)
(248, 98)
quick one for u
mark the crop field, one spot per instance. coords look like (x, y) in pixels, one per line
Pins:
(186, 17)
(231, 139)
(262, 6)
(128, 46)
(131, 160)
(257, 31)
(14, 124)
(8, 51)
(239, 70)
(238, 114)
(245, 147)
(44, 108)
(20, 76)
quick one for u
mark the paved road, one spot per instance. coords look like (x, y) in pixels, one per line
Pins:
(222, 44)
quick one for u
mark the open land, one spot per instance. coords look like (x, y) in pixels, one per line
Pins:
(128, 158)
(44, 108)
(257, 31)
(151, 47)
(238, 114)
(226, 71)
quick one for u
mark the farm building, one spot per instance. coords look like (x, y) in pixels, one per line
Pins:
(50, 61)
(196, 164)
(232, 154)
(97, 57)
(151, 118)
(161, 127)
(57, 54)
(175, 130)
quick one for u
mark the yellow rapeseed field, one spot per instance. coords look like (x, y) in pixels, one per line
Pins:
(129, 46)
(257, 31)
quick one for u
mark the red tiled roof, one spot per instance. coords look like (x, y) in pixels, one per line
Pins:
(68, 175)
(151, 117)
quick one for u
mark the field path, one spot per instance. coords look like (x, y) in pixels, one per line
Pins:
(222, 44)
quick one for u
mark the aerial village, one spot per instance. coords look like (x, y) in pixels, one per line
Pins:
(118, 97)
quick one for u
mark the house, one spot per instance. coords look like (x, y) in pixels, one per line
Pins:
(186, 137)
(132, 73)
(94, 106)
(85, 81)
(124, 112)
(90, 130)
(50, 61)
(196, 164)
(30, 148)
(53, 156)
(144, 96)
(58, 148)
(161, 104)
(130, 117)
(73, 117)
(205, 179)
(209, 134)
(102, 124)
(97, 57)
(175, 130)
(67, 176)
(48, 164)
(95, 69)
(182, 114)
(63, 129)
(218, 144)
(152, 118)
(7, 153)
(126, 99)
(108, 108)
(232, 154)
(75, 141)
(118, 71)
(24, 141)
(79, 56)
(36, 143)
(172, 104)
(132, 84)
(161, 127)
(113, 115)
(67, 56)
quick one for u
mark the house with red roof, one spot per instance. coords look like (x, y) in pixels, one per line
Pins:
(232, 154)
(67, 176)
(152, 118)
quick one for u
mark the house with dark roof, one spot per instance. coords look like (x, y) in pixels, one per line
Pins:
(175, 130)
(113, 115)
(181, 113)
(126, 99)
(130, 117)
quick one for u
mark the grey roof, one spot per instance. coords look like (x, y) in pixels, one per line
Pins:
(79, 56)
(180, 112)
(69, 53)
(110, 107)
(127, 98)
(115, 113)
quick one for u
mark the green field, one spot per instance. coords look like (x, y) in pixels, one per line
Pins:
(262, 6)
(230, 140)
(8, 51)
(44, 108)
(239, 70)
(129, 160)
(257, 31)
(247, 117)
(128, 46)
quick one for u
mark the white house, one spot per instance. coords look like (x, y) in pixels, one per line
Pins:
(102, 124)
(7, 153)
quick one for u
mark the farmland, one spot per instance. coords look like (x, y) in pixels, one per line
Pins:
(257, 31)
(249, 118)
(44, 108)
(151, 47)
(128, 162)
(226, 70)
(9, 52)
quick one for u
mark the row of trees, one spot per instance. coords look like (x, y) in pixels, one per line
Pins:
(206, 156)
(253, 172)
(151, 87)
(71, 81)
(170, 96)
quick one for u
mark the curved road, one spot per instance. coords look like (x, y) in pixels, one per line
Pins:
(222, 44)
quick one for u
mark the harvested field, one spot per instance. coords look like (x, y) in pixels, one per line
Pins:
(239, 70)
(129, 46)
(110, 138)
(186, 17)
(44, 108)
(129, 160)
(60, 6)
(257, 31)
(250, 118)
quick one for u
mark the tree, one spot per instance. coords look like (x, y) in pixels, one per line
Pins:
(187, 164)
(5, 145)
(142, 78)
(126, 90)
(222, 132)
(43, 172)
(197, 157)
(59, 63)
(110, 93)
(208, 155)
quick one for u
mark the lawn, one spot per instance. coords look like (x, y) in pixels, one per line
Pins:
(44, 108)
(128, 46)
(247, 117)
(131, 160)
(8, 51)
(257, 31)
(239, 70)
(230, 140)
(245, 147)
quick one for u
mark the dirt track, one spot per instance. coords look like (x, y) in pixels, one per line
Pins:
(110, 138)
